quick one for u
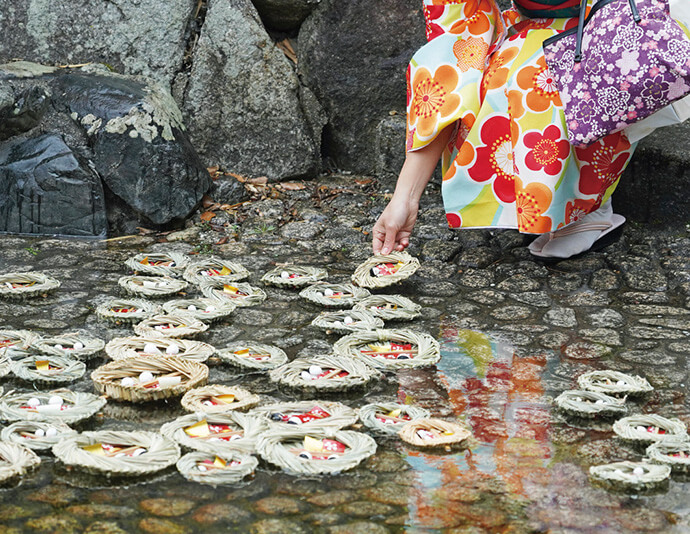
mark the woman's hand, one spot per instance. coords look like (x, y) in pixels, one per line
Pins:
(393, 228)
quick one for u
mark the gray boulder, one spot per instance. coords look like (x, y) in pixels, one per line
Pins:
(353, 55)
(242, 102)
(284, 15)
(133, 36)
(69, 137)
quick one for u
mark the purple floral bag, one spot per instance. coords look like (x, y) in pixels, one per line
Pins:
(627, 60)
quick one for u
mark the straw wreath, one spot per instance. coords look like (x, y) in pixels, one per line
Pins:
(215, 432)
(49, 370)
(69, 345)
(127, 310)
(346, 322)
(323, 415)
(170, 326)
(675, 454)
(120, 348)
(240, 293)
(217, 469)
(169, 264)
(627, 476)
(590, 404)
(434, 433)
(151, 286)
(378, 416)
(650, 428)
(36, 435)
(117, 452)
(143, 379)
(324, 373)
(614, 383)
(286, 449)
(60, 405)
(390, 349)
(5, 363)
(334, 295)
(204, 309)
(252, 355)
(216, 398)
(294, 276)
(212, 268)
(26, 285)
(16, 461)
(385, 269)
(16, 343)
(390, 307)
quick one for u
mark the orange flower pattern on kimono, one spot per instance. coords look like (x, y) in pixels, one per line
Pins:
(509, 164)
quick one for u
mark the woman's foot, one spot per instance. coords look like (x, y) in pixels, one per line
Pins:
(579, 236)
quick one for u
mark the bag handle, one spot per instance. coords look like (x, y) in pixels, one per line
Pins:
(584, 20)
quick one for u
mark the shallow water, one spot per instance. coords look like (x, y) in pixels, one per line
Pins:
(508, 349)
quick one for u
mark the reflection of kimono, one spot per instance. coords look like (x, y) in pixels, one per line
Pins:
(509, 164)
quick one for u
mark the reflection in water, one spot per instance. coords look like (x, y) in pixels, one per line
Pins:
(500, 397)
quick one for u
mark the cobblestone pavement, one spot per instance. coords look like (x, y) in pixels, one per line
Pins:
(514, 334)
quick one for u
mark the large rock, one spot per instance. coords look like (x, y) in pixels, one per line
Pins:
(242, 101)
(63, 131)
(284, 15)
(133, 36)
(354, 55)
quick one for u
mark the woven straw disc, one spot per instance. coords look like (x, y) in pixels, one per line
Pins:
(36, 435)
(295, 374)
(240, 293)
(216, 269)
(108, 379)
(16, 343)
(5, 363)
(131, 347)
(214, 398)
(26, 285)
(204, 309)
(334, 295)
(76, 406)
(307, 414)
(433, 433)
(127, 310)
(170, 264)
(69, 345)
(614, 383)
(280, 447)
(170, 326)
(205, 468)
(375, 416)
(583, 403)
(61, 370)
(346, 322)
(675, 454)
(376, 348)
(251, 355)
(159, 452)
(390, 307)
(15, 461)
(391, 268)
(151, 286)
(294, 276)
(630, 475)
(246, 427)
(636, 428)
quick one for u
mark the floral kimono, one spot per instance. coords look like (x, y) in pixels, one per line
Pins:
(509, 163)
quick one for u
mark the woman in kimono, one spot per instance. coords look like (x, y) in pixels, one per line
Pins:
(481, 99)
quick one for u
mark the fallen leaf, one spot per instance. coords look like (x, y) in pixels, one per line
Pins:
(286, 47)
(261, 180)
(145, 231)
(292, 186)
(238, 177)
(207, 216)
(213, 170)
(207, 201)
(222, 241)
(364, 181)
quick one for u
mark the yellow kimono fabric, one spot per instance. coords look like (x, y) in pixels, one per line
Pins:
(509, 163)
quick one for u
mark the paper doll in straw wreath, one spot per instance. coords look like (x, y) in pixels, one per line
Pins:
(484, 101)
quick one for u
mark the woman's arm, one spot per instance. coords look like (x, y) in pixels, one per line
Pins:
(393, 228)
